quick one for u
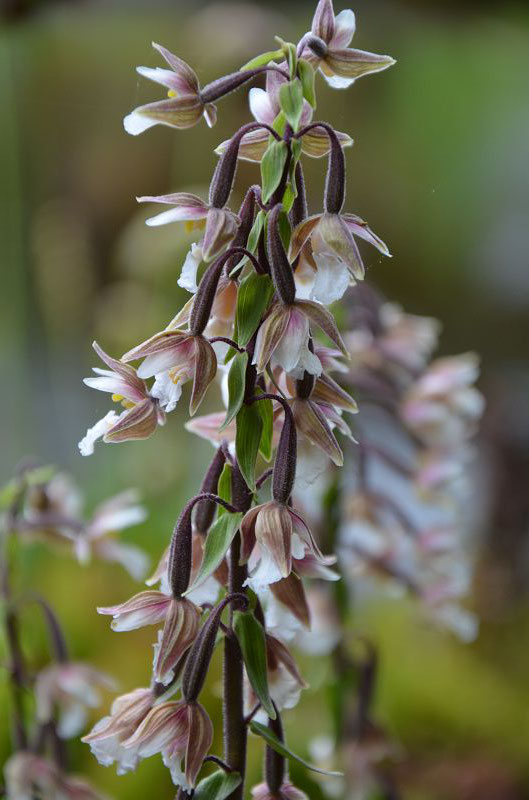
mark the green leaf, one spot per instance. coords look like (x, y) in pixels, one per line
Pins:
(273, 742)
(247, 439)
(272, 166)
(217, 786)
(289, 197)
(290, 52)
(9, 493)
(218, 540)
(253, 240)
(261, 60)
(307, 74)
(266, 411)
(291, 101)
(236, 387)
(280, 124)
(254, 295)
(251, 636)
(224, 487)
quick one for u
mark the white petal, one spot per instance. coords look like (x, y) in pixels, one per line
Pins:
(344, 28)
(71, 720)
(166, 391)
(135, 123)
(261, 106)
(86, 445)
(188, 275)
(337, 82)
(332, 279)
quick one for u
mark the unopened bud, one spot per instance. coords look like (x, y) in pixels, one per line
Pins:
(205, 509)
(281, 269)
(181, 552)
(246, 215)
(335, 182)
(286, 458)
(199, 656)
(299, 210)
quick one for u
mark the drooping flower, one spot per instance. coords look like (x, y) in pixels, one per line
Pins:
(181, 732)
(275, 539)
(265, 107)
(29, 776)
(184, 107)
(220, 224)
(442, 407)
(142, 413)
(327, 47)
(285, 333)
(97, 537)
(106, 738)
(68, 689)
(175, 357)
(332, 237)
(180, 619)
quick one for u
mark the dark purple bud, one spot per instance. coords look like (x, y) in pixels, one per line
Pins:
(181, 552)
(205, 296)
(240, 493)
(286, 458)
(205, 509)
(246, 215)
(275, 769)
(317, 45)
(229, 83)
(199, 656)
(262, 255)
(335, 182)
(299, 210)
(282, 274)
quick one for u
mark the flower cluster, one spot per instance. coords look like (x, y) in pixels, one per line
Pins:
(243, 559)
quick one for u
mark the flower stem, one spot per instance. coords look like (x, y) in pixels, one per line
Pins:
(235, 730)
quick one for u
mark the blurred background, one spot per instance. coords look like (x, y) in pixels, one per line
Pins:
(440, 169)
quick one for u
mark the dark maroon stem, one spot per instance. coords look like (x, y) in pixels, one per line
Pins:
(235, 728)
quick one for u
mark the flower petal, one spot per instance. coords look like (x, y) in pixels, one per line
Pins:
(319, 315)
(145, 608)
(205, 371)
(199, 741)
(300, 234)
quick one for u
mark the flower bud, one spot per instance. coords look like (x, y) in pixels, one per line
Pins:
(335, 181)
(205, 296)
(227, 84)
(299, 210)
(281, 269)
(181, 552)
(205, 509)
(275, 770)
(246, 215)
(286, 457)
(199, 657)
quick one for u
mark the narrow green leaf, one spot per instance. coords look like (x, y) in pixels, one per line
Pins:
(253, 297)
(291, 101)
(253, 240)
(272, 166)
(217, 786)
(307, 74)
(9, 493)
(266, 411)
(236, 387)
(280, 124)
(281, 748)
(218, 540)
(262, 59)
(251, 636)
(247, 439)
(224, 487)
(289, 197)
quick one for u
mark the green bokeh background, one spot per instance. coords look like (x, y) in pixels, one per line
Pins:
(440, 168)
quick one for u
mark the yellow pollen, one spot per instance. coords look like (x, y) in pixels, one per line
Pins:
(117, 398)
(127, 404)
(172, 93)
